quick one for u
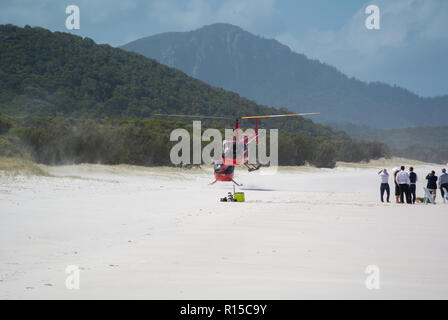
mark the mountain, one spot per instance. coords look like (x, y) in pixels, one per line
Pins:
(270, 73)
(54, 73)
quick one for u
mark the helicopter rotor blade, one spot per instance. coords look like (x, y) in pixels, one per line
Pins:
(282, 115)
(232, 118)
(192, 116)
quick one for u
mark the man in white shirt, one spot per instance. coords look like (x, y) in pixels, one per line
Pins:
(384, 176)
(443, 182)
(403, 182)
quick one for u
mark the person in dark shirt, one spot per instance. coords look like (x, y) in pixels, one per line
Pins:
(432, 184)
(412, 186)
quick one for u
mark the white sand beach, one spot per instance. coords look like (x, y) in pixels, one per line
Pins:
(160, 233)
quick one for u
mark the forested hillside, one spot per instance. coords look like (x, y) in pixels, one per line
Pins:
(269, 72)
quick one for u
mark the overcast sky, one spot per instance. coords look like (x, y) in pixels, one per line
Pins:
(410, 49)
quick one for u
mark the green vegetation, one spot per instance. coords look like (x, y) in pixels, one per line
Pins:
(8, 149)
(428, 144)
(403, 138)
(58, 140)
(20, 166)
(5, 123)
(423, 153)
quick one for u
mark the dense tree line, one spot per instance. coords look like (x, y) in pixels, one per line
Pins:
(58, 140)
(423, 153)
(403, 138)
(420, 143)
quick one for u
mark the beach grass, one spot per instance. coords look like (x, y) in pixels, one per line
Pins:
(12, 166)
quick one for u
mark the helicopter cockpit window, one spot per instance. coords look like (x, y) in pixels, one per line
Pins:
(223, 169)
(230, 150)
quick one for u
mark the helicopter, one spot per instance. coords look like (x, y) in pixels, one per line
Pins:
(224, 169)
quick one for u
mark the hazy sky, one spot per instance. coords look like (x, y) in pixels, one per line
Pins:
(409, 50)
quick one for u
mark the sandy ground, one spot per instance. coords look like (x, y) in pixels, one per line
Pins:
(163, 234)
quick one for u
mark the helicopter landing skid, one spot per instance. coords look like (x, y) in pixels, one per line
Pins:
(238, 184)
(252, 167)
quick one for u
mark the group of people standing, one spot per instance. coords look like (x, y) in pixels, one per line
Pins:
(405, 184)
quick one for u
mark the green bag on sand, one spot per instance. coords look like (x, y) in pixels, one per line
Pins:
(239, 196)
(420, 199)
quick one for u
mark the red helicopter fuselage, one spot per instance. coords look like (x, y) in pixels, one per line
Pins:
(235, 153)
(224, 169)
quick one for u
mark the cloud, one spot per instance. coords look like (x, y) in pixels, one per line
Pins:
(411, 32)
(51, 13)
(191, 14)
(26, 12)
(103, 12)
